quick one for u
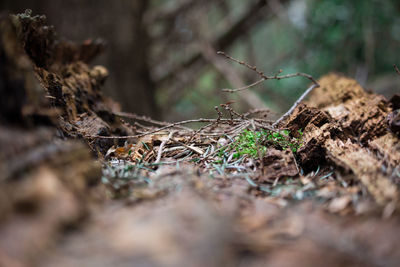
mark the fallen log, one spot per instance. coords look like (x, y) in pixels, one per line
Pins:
(71, 87)
(48, 183)
(346, 127)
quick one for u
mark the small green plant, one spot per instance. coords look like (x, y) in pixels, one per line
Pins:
(249, 143)
(254, 142)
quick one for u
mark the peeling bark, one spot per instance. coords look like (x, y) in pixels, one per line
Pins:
(347, 127)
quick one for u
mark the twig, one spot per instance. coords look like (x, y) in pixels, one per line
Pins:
(275, 181)
(396, 68)
(262, 75)
(193, 148)
(235, 131)
(172, 125)
(216, 151)
(227, 71)
(160, 150)
(207, 125)
(201, 129)
(209, 134)
(276, 77)
(244, 87)
(287, 114)
(219, 113)
(231, 111)
(145, 119)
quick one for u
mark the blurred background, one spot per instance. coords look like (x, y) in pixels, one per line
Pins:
(161, 54)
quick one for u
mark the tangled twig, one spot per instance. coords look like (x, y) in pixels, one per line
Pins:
(262, 75)
(275, 77)
(241, 121)
(173, 125)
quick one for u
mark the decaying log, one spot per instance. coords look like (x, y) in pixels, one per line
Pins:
(278, 164)
(71, 86)
(348, 127)
(47, 184)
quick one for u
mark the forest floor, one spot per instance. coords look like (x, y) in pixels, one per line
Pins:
(83, 184)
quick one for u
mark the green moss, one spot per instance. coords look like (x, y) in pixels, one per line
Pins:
(282, 140)
(248, 143)
(252, 143)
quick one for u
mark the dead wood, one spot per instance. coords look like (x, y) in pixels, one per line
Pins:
(47, 91)
(348, 128)
(70, 87)
(278, 164)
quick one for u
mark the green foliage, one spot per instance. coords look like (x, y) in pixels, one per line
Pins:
(368, 30)
(248, 143)
(252, 143)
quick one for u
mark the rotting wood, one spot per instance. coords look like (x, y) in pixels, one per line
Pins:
(72, 87)
(278, 164)
(347, 127)
(46, 183)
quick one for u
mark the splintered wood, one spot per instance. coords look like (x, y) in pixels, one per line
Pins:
(61, 68)
(349, 129)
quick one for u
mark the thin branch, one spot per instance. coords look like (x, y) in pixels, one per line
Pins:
(201, 129)
(193, 148)
(251, 99)
(265, 77)
(172, 125)
(276, 77)
(231, 111)
(244, 87)
(287, 114)
(295, 162)
(145, 119)
(396, 68)
(207, 125)
(160, 150)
